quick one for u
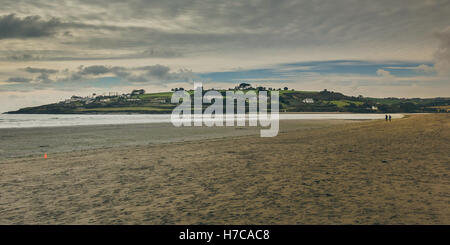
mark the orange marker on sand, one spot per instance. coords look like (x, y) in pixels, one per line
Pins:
(45, 155)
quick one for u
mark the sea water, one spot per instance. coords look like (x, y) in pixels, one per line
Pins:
(58, 120)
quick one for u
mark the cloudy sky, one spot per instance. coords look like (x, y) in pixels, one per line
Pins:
(50, 50)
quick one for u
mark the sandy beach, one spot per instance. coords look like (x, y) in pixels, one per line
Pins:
(313, 172)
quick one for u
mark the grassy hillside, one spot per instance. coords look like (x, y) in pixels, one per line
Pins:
(290, 101)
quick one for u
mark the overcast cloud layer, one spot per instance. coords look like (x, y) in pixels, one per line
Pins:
(53, 49)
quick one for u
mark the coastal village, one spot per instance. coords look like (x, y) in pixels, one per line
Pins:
(134, 95)
(105, 97)
(291, 100)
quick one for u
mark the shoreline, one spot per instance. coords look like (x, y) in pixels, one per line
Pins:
(65, 120)
(292, 112)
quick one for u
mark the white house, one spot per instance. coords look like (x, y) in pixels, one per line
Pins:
(105, 100)
(308, 101)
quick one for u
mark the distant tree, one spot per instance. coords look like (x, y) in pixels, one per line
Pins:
(244, 86)
(408, 107)
(286, 88)
(137, 91)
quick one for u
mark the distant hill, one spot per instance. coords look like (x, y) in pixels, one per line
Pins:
(290, 101)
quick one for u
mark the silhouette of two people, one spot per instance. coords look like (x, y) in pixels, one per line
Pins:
(388, 117)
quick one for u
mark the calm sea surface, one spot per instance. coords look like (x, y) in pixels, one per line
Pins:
(56, 120)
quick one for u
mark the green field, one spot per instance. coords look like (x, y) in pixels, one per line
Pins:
(343, 103)
(155, 95)
(123, 109)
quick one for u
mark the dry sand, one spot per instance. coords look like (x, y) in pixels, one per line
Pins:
(339, 173)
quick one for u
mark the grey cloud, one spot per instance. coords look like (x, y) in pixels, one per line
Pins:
(72, 77)
(12, 26)
(43, 78)
(442, 54)
(19, 79)
(34, 26)
(158, 71)
(279, 17)
(188, 27)
(155, 71)
(22, 57)
(159, 53)
(19, 55)
(145, 74)
(40, 70)
(120, 71)
(66, 55)
(163, 73)
(101, 69)
(93, 56)
(95, 70)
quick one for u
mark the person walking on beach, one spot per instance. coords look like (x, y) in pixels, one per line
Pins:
(390, 118)
(386, 117)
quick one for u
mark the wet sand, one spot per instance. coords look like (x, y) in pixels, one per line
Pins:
(17, 142)
(371, 172)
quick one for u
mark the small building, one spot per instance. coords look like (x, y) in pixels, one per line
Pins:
(308, 101)
(374, 108)
(74, 98)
